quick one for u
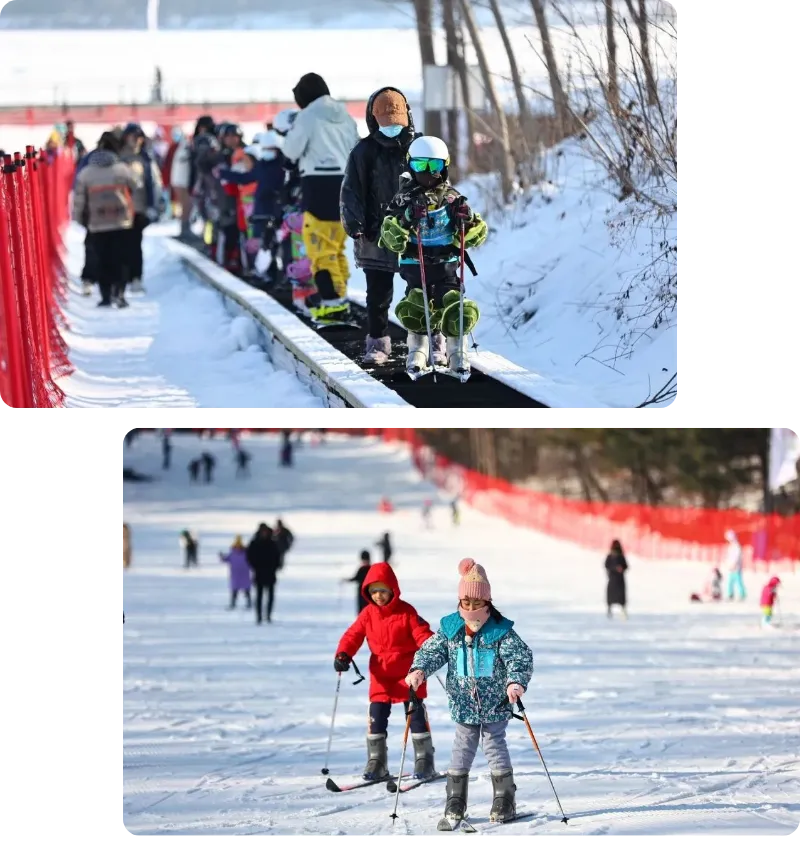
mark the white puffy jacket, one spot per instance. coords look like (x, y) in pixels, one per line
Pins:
(181, 168)
(321, 138)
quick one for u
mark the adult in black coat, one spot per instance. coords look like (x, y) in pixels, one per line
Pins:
(616, 566)
(385, 544)
(284, 540)
(371, 179)
(264, 560)
(361, 574)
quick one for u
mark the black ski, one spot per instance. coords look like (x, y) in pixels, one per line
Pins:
(331, 785)
(391, 786)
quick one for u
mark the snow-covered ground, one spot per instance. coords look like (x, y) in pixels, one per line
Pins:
(682, 720)
(174, 346)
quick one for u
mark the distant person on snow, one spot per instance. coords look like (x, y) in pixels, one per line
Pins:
(239, 575)
(733, 566)
(190, 546)
(616, 567)
(242, 463)
(126, 546)
(166, 451)
(284, 540)
(194, 469)
(385, 544)
(287, 452)
(455, 511)
(427, 509)
(209, 462)
(769, 596)
(361, 574)
(394, 632)
(263, 557)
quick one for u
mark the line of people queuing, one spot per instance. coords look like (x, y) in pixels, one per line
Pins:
(117, 193)
(280, 209)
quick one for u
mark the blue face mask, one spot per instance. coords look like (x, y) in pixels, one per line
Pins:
(392, 130)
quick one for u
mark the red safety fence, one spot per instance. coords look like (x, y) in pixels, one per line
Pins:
(34, 207)
(670, 533)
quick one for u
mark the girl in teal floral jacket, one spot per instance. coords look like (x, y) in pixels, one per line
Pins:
(488, 669)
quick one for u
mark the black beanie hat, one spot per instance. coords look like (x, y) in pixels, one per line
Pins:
(308, 89)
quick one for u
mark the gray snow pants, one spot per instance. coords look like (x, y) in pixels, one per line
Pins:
(465, 746)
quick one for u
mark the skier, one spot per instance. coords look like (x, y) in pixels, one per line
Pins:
(769, 596)
(733, 565)
(455, 511)
(616, 567)
(239, 576)
(209, 462)
(488, 669)
(194, 469)
(286, 450)
(385, 544)
(370, 182)
(166, 450)
(429, 209)
(361, 574)
(394, 632)
(242, 463)
(190, 545)
(714, 589)
(284, 540)
(262, 556)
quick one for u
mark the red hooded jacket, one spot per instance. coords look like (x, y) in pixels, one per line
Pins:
(394, 633)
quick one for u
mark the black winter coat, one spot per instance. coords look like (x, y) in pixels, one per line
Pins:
(263, 557)
(371, 179)
(616, 565)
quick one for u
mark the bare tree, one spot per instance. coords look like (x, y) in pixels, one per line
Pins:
(559, 97)
(423, 12)
(613, 82)
(468, 112)
(449, 22)
(640, 19)
(524, 112)
(507, 161)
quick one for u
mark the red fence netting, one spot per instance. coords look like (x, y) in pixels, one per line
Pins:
(34, 207)
(671, 533)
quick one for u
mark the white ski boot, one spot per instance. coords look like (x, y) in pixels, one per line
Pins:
(457, 359)
(439, 349)
(417, 359)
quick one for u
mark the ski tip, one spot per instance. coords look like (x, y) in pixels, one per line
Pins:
(331, 785)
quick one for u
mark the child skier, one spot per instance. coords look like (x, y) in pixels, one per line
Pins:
(394, 632)
(768, 597)
(488, 670)
(428, 209)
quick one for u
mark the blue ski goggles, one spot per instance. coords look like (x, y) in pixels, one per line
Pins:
(430, 164)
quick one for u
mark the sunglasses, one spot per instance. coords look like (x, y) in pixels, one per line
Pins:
(432, 164)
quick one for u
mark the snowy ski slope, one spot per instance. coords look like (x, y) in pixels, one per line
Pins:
(683, 720)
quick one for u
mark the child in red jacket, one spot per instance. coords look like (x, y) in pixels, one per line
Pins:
(394, 632)
(768, 597)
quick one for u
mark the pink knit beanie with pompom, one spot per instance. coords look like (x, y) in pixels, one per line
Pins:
(474, 583)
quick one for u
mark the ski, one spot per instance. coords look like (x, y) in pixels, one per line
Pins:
(391, 786)
(423, 372)
(331, 785)
(333, 325)
(446, 824)
(462, 376)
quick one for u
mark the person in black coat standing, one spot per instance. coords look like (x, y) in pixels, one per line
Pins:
(264, 559)
(616, 567)
(386, 545)
(284, 540)
(361, 574)
(371, 179)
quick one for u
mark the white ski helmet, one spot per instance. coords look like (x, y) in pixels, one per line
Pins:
(429, 147)
(268, 139)
(284, 120)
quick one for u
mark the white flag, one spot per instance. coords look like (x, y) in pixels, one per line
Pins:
(784, 452)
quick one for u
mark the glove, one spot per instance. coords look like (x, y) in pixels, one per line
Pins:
(393, 236)
(414, 213)
(341, 662)
(515, 692)
(459, 210)
(415, 679)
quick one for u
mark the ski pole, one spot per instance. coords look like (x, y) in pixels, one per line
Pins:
(425, 298)
(411, 707)
(325, 768)
(536, 746)
(461, 295)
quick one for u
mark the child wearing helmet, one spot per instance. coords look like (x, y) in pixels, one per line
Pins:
(429, 211)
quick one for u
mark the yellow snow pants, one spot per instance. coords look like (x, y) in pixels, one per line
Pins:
(324, 242)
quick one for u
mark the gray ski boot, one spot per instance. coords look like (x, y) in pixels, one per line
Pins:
(439, 349)
(423, 755)
(456, 806)
(504, 806)
(377, 766)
